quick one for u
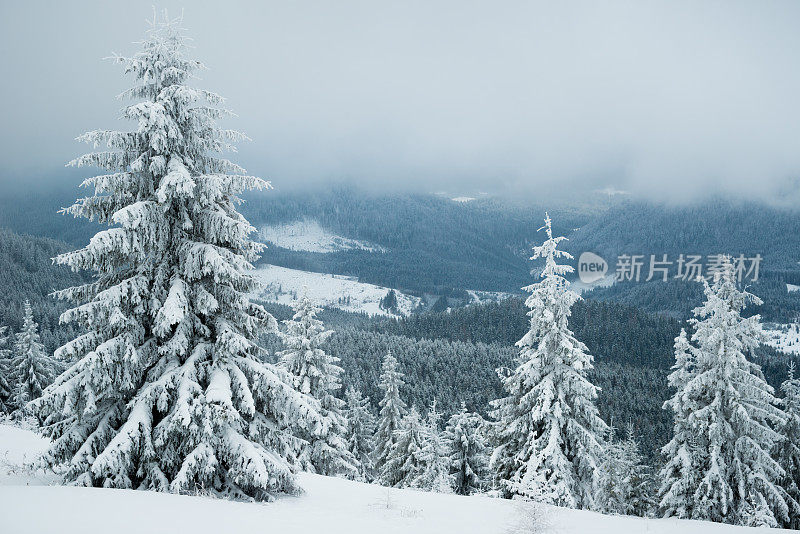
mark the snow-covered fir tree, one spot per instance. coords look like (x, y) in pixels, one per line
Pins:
(32, 370)
(167, 391)
(623, 485)
(469, 455)
(404, 465)
(392, 410)
(680, 475)
(548, 429)
(788, 451)
(725, 416)
(613, 484)
(757, 513)
(316, 373)
(640, 477)
(360, 433)
(433, 456)
(6, 388)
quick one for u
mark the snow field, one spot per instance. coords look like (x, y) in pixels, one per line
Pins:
(783, 337)
(285, 286)
(309, 236)
(329, 505)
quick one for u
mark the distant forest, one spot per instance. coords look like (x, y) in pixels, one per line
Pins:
(439, 248)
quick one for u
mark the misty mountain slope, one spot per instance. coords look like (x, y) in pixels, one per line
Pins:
(416, 242)
(330, 505)
(27, 272)
(711, 227)
(429, 242)
(749, 228)
(35, 211)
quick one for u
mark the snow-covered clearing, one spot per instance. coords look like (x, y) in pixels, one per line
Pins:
(283, 285)
(329, 505)
(309, 236)
(488, 296)
(18, 447)
(783, 337)
(582, 287)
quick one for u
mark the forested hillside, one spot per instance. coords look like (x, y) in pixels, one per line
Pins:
(36, 213)
(714, 227)
(432, 243)
(453, 356)
(27, 272)
(711, 227)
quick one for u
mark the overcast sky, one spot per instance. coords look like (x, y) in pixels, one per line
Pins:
(673, 98)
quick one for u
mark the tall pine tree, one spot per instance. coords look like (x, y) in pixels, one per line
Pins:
(168, 391)
(392, 410)
(32, 369)
(6, 388)
(435, 474)
(788, 451)
(468, 451)
(316, 373)
(548, 427)
(725, 416)
(680, 475)
(360, 433)
(404, 465)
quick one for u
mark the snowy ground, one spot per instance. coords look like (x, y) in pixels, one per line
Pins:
(488, 296)
(309, 236)
(283, 285)
(330, 506)
(581, 287)
(783, 337)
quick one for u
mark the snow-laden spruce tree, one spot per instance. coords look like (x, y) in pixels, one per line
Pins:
(680, 475)
(404, 465)
(623, 482)
(6, 388)
(788, 451)
(468, 451)
(360, 433)
(756, 512)
(316, 373)
(613, 483)
(392, 410)
(725, 415)
(32, 370)
(548, 429)
(168, 392)
(640, 475)
(433, 456)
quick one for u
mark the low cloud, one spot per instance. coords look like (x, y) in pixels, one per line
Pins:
(671, 100)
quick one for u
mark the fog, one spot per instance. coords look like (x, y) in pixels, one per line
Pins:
(673, 100)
